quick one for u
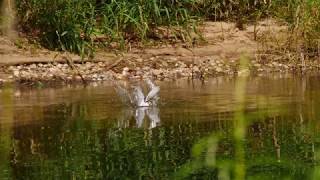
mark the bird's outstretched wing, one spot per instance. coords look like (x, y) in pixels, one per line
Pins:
(153, 93)
(150, 83)
(154, 90)
(124, 95)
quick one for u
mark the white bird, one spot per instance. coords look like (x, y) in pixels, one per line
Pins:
(150, 99)
(139, 98)
(143, 105)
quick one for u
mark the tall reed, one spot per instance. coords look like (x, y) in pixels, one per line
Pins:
(81, 25)
(77, 25)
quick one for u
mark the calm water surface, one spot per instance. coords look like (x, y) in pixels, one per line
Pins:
(86, 133)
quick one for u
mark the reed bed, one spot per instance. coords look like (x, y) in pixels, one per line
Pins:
(83, 25)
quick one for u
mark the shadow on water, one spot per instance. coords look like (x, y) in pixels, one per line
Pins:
(7, 113)
(86, 133)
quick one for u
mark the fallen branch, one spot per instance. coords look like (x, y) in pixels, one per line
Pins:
(73, 67)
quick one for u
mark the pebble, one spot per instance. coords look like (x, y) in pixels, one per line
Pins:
(139, 60)
(244, 72)
(16, 73)
(165, 64)
(171, 68)
(257, 65)
(196, 69)
(219, 69)
(183, 65)
(157, 72)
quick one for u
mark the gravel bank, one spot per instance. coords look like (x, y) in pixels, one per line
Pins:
(160, 68)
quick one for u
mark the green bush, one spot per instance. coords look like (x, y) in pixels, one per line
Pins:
(230, 9)
(78, 25)
(60, 24)
(74, 24)
(303, 18)
(138, 19)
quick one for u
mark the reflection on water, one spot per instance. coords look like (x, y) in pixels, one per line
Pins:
(152, 113)
(139, 116)
(79, 133)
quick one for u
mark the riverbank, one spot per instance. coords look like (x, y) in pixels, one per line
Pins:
(218, 55)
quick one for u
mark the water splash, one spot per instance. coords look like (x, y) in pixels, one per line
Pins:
(134, 96)
(153, 95)
(123, 92)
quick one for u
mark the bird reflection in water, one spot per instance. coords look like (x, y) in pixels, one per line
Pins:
(139, 114)
(152, 114)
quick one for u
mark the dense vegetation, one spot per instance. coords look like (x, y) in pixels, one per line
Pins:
(81, 25)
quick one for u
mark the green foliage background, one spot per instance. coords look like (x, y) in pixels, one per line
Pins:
(82, 25)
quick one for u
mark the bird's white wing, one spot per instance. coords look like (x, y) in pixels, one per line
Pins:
(123, 94)
(138, 95)
(150, 84)
(153, 93)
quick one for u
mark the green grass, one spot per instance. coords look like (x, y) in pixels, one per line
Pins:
(301, 40)
(82, 25)
(76, 25)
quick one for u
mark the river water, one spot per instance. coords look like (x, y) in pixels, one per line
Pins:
(76, 132)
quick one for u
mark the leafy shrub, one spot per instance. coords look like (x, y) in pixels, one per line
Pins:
(73, 24)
